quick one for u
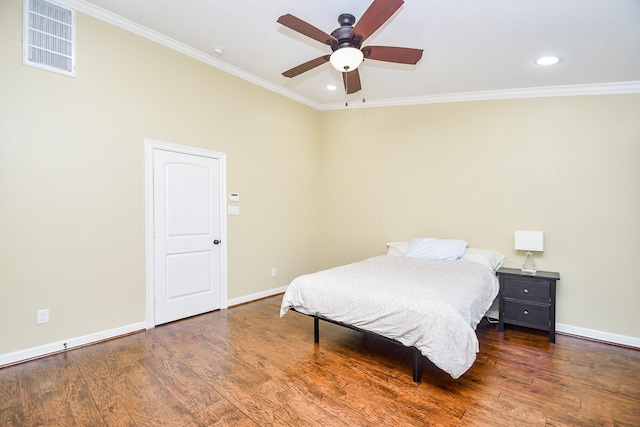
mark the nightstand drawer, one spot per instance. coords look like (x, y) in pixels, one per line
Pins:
(517, 312)
(527, 289)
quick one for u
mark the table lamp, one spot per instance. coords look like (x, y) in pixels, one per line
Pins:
(529, 241)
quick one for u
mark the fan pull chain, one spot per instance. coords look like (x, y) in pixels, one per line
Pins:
(346, 90)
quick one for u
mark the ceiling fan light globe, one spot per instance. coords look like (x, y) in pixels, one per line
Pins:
(346, 59)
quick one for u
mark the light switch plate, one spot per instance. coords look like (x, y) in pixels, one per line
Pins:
(234, 210)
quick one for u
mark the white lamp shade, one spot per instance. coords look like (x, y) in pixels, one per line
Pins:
(346, 59)
(529, 241)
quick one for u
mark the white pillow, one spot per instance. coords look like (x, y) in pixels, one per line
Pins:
(432, 248)
(397, 248)
(491, 259)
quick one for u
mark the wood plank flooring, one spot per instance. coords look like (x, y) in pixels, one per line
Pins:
(247, 367)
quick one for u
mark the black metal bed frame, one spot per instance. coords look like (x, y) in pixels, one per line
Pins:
(417, 366)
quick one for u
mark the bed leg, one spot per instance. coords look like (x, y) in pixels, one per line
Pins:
(417, 366)
(316, 330)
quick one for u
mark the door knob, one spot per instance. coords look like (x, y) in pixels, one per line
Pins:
(217, 242)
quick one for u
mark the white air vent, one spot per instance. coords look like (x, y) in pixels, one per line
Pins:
(49, 40)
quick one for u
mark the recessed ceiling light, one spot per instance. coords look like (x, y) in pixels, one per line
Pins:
(218, 50)
(547, 60)
(332, 87)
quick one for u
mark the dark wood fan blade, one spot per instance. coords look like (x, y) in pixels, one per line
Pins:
(377, 14)
(351, 81)
(304, 28)
(402, 55)
(306, 66)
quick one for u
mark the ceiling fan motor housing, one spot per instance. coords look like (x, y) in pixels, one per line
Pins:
(343, 33)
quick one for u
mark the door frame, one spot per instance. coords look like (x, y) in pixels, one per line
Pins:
(150, 145)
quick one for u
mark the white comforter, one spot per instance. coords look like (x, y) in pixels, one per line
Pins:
(432, 305)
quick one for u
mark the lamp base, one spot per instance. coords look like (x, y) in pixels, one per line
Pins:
(528, 266)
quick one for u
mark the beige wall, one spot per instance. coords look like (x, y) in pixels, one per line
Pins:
(72, 178)
(481, 170)
(72, 183)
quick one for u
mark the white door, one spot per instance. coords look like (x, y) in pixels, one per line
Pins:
(187, 247)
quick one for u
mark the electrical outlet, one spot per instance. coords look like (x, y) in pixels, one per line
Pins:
(43, 316)
(273, 272)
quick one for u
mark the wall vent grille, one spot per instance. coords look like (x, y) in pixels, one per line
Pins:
(49, 40)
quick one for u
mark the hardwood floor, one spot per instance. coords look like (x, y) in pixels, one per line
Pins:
(247, 367)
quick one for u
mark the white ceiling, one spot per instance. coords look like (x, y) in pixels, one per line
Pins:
(472, 48)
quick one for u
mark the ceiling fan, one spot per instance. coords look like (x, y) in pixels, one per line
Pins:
(346, 43)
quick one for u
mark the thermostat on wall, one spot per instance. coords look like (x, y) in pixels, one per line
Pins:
(234, 197)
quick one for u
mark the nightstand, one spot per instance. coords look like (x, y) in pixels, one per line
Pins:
(528, 299)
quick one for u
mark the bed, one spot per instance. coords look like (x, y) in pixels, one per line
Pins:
(431, 304)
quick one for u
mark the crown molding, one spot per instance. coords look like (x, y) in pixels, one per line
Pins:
(616, 88)
(536, 92)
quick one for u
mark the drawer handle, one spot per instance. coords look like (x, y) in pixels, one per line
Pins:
(526, 312)
(526, 291)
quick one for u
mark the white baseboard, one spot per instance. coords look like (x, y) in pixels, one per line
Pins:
(492, 314)
(259, 295)
(55, 347)
(598, 335)
(588, 333)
